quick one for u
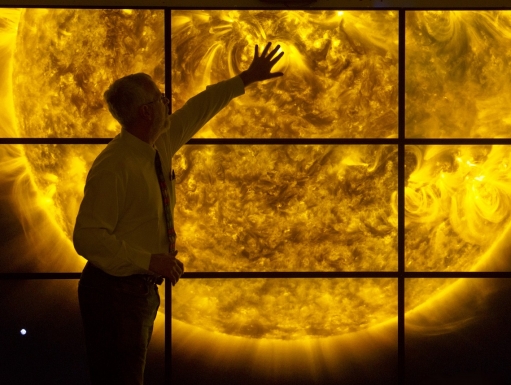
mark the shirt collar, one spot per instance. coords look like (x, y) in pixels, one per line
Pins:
(137, 145)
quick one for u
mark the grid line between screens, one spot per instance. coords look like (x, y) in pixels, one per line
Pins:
(401, 203)
(288, 274)
(280, 141)
(168, 288)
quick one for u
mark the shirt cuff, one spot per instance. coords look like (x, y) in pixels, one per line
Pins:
(238, 85)
(140, 258)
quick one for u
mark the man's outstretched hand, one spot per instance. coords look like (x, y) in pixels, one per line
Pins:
(260, 68)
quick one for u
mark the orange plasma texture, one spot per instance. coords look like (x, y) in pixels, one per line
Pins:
(287, 208)
(279, 208)
(285, 309)
(340, 71)
(66, 58)
(457, 74)
(457, 202)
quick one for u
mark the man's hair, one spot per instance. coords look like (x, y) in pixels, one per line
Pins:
(126, 95)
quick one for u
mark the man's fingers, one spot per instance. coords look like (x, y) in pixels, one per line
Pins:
(266, 49)
(275, 75)
(272, 53)
(178, 268)
(176, 273)
(173, 277)
(260, 68)
(276, 59)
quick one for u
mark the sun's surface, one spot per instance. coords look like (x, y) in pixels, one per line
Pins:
(268, 208)
(262, 215)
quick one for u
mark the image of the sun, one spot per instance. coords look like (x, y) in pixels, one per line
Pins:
(263, 208)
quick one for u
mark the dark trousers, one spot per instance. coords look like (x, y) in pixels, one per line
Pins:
(118, 315)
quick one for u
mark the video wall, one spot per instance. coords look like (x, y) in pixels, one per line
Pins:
(311, 173)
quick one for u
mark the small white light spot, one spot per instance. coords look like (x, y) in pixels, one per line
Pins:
(23, 332)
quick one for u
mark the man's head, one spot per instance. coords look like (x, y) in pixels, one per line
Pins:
(135, 100)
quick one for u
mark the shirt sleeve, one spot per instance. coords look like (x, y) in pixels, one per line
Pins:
(94, 237)
(198, 110)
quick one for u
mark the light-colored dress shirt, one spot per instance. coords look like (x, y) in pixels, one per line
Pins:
(121, 220)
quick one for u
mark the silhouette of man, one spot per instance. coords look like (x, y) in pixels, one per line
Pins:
(125, 227)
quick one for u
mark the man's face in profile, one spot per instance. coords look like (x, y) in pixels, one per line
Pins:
(161, 110)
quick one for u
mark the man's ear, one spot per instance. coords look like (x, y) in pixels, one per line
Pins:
(145, 112)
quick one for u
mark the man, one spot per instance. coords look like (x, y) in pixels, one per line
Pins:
(125, 227)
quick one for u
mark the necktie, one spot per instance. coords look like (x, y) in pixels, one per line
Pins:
(171, 234)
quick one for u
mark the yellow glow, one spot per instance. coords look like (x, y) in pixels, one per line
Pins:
(281, 361)
(286, 230)
(457, 82)
(458, 202)
(340, 72)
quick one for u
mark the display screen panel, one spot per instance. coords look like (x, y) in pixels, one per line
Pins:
(45, 184)
(457, 207)
(64, 59)
(457, 65)
(285, 330)
(42, 340)
(287, 208)
(340, 71)
(460, 334)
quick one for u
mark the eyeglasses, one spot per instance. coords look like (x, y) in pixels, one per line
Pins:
(163, 98)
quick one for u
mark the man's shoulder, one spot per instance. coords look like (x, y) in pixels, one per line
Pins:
(113, 158)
